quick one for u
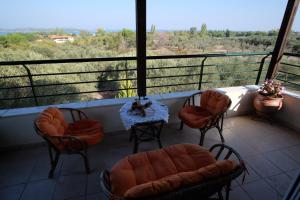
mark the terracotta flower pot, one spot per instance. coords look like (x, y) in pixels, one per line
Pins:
(265, 104)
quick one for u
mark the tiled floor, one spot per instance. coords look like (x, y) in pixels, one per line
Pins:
(271, 153)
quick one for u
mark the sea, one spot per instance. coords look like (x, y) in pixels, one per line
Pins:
(67, 32)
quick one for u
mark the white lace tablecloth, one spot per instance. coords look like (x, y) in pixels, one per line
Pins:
(156, 112)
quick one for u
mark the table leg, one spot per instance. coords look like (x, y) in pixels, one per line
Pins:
(153, 130)
(130, 136)
(135, 138)
(158, 131)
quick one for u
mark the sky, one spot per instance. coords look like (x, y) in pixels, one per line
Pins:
(237, 15)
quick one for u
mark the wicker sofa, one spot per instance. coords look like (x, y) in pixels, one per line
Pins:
(132, 177)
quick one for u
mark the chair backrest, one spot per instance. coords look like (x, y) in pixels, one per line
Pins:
(215, 102)
(51, 122)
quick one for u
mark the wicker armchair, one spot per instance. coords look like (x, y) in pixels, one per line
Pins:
(210, 113)
(67, 138)
(202, 190)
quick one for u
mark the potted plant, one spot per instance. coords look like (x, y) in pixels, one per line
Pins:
(268, 98)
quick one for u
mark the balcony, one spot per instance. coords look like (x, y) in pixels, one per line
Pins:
(271, 153)
(270, 147)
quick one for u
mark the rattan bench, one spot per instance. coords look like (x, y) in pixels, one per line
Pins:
(194, 184)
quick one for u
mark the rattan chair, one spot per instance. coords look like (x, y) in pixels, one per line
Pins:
(203, 190)
(67, 138)
(210, 113)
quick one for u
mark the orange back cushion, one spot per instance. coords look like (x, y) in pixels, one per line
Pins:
(182, 179)
(153, 165)
(52, 122)
(214, 102)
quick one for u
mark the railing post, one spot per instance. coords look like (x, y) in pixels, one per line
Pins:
(141, 46)
(201, 73)
(262, 62)
(31, 84)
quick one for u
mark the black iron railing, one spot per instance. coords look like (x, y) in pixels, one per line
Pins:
(201, 72)
(289, 72)
(197, 73)
(33, 86)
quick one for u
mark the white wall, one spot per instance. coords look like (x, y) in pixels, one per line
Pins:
(16, 125)
(290, 112)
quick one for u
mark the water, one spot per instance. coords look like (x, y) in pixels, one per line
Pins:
(66, 32)
(4, 33)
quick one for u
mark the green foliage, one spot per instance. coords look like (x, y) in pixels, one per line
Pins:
(84, 34)
(100, 32)
(203, 31)
(219, 72)
(127, 33)
(273, 33)
(193, 31)
(16, 39)
(228, 33)
(153, 28)
(125, 89)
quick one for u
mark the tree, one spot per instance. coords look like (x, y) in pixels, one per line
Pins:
(127, 33)
(153, 28)
(273, 33)
(128, 38)
(84, 34)
(203, 31)
(193, 31)
(100, 32)
(296, 48)
(125, 89)
(228, 33)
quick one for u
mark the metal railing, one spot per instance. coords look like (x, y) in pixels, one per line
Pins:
(200, 69)
(33, 86)
(199, 75)
(289, 72)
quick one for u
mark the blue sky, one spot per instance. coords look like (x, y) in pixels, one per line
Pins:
(236, 15)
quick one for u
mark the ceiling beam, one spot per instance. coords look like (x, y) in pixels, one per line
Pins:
(286, 25)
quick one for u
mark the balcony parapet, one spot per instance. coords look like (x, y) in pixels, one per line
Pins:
(16, 125)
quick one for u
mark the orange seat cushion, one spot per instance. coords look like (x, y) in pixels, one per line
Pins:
(149, 173)
(88, 130)
(212, 103)
(52, 122)
(195, 116)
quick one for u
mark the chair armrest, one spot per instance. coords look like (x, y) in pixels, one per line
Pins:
(191, 98)
(75, 113)
(230, 152)
(105, 185)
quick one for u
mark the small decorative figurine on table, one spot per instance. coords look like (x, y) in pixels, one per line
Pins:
(139, 108)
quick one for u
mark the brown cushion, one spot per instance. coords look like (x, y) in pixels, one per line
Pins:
(182, 179)
(195, 116)
(150, 166)
(214, 102)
